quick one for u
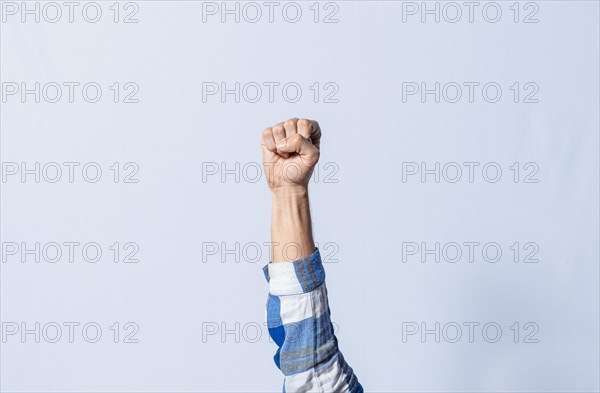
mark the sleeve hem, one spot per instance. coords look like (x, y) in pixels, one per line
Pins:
(300, 276)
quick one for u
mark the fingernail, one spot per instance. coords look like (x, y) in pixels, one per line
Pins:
(282, 144)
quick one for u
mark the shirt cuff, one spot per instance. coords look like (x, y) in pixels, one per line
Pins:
(296, 277)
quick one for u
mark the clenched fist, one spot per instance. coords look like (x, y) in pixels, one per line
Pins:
(290, 152)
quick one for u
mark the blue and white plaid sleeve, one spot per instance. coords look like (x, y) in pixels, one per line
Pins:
(298, 319)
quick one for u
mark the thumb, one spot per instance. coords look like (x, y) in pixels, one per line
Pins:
(296, 143)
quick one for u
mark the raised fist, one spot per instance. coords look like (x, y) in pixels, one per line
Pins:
(290, 152)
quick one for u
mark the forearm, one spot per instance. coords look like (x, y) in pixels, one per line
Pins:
(291, 227)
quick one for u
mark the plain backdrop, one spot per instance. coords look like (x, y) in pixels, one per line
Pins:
(198, 320)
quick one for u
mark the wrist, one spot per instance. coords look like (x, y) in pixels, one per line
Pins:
(290, 202)
(289, 192)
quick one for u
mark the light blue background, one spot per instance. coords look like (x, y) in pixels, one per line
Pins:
(368, 213)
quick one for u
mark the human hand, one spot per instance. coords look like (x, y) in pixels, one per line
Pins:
(290, 153)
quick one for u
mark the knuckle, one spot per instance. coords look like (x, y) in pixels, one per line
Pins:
(290, 122)
(304, 122)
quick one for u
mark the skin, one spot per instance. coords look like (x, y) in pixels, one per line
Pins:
(290, 153)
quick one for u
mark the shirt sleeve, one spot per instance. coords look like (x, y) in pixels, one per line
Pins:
(298, 319)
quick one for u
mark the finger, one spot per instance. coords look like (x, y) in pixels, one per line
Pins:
(315, 134)
(298, 144)
(279, 135)
(290, 127)
(267, 139)
(305, 127)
